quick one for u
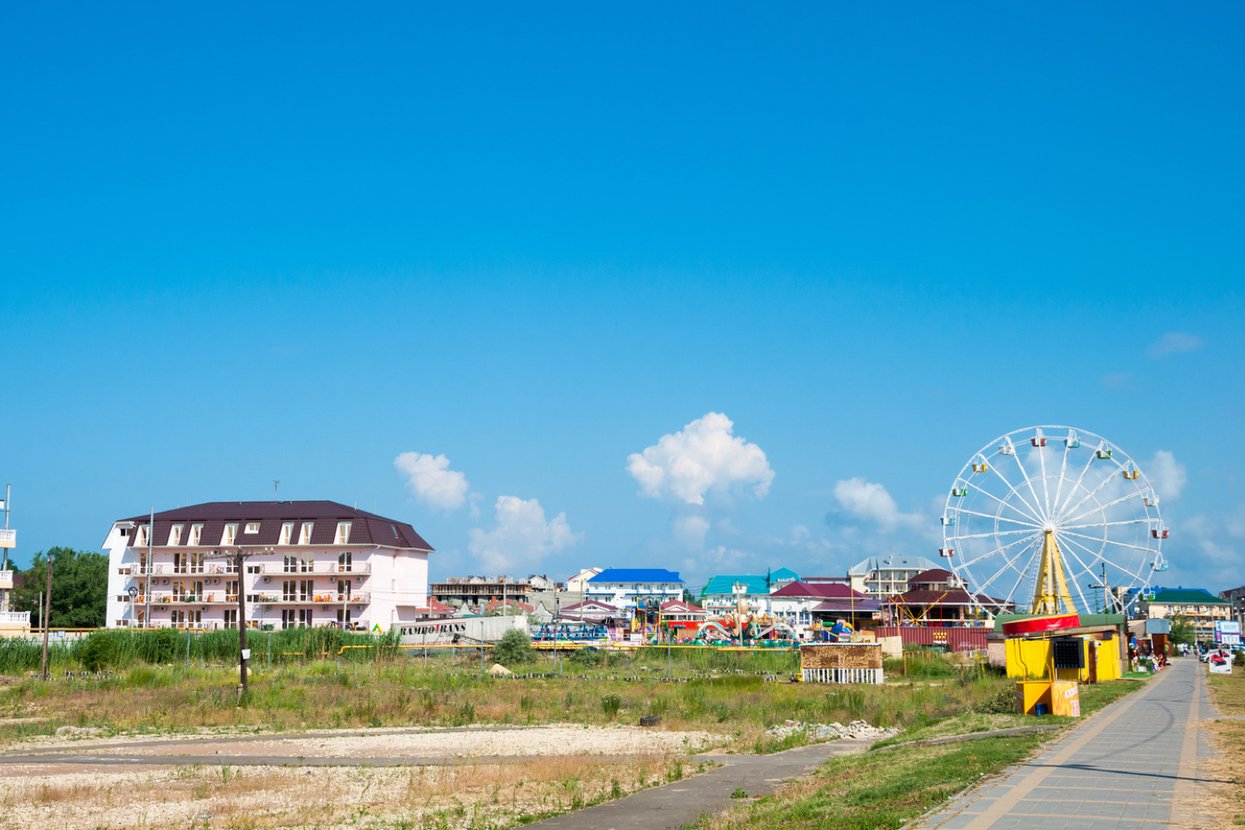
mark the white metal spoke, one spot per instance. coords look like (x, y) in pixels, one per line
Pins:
(1098, 557)
(1109, 541)
(1029, 482)
(1041, 451)
(1060, 509)
(1034, 512)
(1108, 524)
(1006, 504)
(1102, 485)
(1134, 494)
(1037, 548)
(1010, 562)
(969, 563)
(1063, 469)
(999, 518)
(1076, 584)
(991, 535)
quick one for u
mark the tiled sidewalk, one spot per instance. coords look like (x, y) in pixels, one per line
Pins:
(1126, 767)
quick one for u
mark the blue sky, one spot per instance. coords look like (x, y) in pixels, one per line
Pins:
(297, 242)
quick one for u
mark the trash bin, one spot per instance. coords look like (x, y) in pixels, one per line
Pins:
(1040, 709)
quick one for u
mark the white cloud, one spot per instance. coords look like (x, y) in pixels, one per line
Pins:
(690, 530)
(522, 537)
(702, 458)
(1175, 342)
(868, 500)
(1168, 475)
(431, 480)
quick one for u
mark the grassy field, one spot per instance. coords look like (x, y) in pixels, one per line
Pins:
(737, 695)
(312, 685)
(1228, 734)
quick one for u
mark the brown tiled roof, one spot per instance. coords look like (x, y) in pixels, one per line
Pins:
(824, 590)
(932, 575)
(925, 596)
(365, 529)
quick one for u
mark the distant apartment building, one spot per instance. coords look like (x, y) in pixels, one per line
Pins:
(1197, 605)
(306, 563)
(885, 576)
(630, 588)
(475, 593)
(726, 593)
(1235, 597)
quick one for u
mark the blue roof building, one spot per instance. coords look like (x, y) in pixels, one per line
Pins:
(627, 587)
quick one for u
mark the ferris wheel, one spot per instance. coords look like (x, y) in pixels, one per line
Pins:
(1052, 520)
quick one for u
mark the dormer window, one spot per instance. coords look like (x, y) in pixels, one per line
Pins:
(251, 527)
(140, 538)
(343, 534)
(287, 533)
(196, 534)
(175, 535)
(304, 536)
(231, 534)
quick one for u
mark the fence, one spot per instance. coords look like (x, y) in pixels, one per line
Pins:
(950, 638)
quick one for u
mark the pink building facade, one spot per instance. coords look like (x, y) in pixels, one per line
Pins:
(306, 563)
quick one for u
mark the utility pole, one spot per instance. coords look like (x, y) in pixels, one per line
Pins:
(1106, 590)
(8, 497)
(239, 555)
(47, 616)
(244, 653)
(151, 532)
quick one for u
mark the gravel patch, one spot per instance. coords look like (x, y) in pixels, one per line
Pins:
(858, 730)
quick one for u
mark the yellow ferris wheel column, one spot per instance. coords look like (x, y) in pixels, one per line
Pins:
(1051, 589)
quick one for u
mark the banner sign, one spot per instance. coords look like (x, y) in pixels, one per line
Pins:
(8, 538)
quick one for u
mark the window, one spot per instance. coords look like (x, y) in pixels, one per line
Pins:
(231, 618)
(287, 532)
(343, 618)
(304, 590)
(304, 618)
(230, 535)
(140, 538)
(304, 536)
(344, 562)
(175, 535)
(251, 527)
(343, 534)
(196, 534)
(231, 593)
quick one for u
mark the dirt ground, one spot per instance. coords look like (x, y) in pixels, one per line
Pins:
(473, 777)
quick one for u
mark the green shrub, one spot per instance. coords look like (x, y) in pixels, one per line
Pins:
(610, 704)
(514, 648)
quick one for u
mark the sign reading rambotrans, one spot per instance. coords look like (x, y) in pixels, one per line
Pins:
(1228, 632)
(8, 538)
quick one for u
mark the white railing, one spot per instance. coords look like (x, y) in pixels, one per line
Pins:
(11, 618)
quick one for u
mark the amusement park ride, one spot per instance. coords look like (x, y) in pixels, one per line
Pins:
(1040, 512)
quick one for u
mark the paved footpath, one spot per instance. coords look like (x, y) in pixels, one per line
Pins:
(683, 802)
(1135, 764)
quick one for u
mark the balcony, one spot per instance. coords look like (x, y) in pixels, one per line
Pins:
(327, 598)
(313, 569)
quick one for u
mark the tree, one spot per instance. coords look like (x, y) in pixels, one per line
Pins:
(79, 588)
(1182, 631)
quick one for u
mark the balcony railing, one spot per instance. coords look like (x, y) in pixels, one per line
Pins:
(328, 598)
(12, 618)
(266, 568)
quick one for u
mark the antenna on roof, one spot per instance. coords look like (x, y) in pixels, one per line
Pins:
(276, 489)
